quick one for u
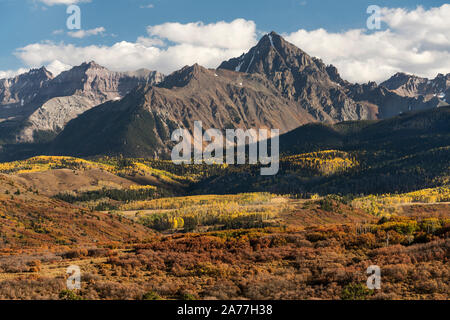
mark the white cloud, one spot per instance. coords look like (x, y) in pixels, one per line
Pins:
(237, 34)
(416, 41)
(12, 73)
(65, 2)
(86, 33)
(207, 45)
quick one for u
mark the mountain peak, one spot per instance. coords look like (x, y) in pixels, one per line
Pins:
(184, 76)
(442, 76)
(273, 35)
(401, 79)
(298, 76)
(195, 68)
(404, 75)
(92, 65)
(272, 54)
(22, 88)
(271, 39)
(81, 71)
(41, 73)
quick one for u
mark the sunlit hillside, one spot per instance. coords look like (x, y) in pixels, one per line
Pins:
(150, 229)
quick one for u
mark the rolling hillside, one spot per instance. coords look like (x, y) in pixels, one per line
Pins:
(402, 154)
(29, 219)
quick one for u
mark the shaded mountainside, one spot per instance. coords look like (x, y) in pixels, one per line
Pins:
(400, 131)
(35, 106)
(402, 154)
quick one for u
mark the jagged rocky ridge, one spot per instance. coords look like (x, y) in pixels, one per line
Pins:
(413, 86)
(274, 85)
(35, 106)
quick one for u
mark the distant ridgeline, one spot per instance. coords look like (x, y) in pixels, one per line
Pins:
(403, 154)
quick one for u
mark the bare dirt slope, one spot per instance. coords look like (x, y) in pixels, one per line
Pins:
(52, 182)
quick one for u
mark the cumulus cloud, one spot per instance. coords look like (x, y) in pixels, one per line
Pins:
(86, 33)
(206, 44)
(12, 73)
(415, 41)
(65, 2)
(238, 34)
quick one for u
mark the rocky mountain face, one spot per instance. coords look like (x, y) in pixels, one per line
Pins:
(142, 123)
(97, 82)
(412, 86)
(22, 89)
(35, 106)
(385, 103)
(306, 80)
(274, 85)
(319, 88)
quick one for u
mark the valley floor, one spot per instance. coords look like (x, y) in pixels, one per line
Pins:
(312, 254)
(133, 235)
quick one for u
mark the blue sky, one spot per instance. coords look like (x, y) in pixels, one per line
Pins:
(27, 22)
